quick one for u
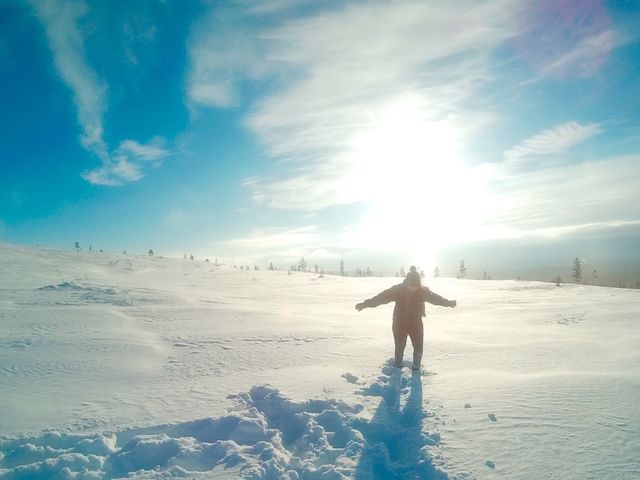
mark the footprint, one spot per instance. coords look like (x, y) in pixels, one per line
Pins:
(492, 417)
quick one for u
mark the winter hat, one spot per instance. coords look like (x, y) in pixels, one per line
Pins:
(412, 277)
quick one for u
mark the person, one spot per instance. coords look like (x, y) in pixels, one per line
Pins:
(409, 296)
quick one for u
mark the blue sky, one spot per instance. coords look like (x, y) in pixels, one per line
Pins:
(384, 133)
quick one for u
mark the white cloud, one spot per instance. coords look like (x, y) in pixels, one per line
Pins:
(128, 162)
(369, 101)
(330, 73)
(222, 51)
(550, 199)
(60, 19)
(276, 238)
(554, 140)
(585, 228)
(585, 59)
(265, 7)
(346, 68)
(220, 94)
(115, 173)
(154, 150)
(567, 39)
(283, 245)
(306, 188)
(67, 44)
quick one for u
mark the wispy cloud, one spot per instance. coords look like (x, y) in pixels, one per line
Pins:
(557, 196)
(152, 151)
(126, 163)
(223, 51)
(566, 39)
(554, 140)
(330, 73)
(593, 228)
(284, 244)
(342, 104)
(585, 58)
(265, 7)
(261, 239)
(60, 19)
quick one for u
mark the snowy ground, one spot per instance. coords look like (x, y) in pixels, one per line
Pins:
(114, 366)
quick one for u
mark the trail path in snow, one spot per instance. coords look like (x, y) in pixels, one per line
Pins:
(266, 435)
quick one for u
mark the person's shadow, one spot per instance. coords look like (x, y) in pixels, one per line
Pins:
(395, 445)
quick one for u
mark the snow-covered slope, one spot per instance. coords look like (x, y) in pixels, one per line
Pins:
(114, 365)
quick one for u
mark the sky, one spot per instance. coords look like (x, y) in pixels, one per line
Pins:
(383, 133)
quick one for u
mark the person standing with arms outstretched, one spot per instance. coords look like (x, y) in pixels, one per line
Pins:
(410, 297)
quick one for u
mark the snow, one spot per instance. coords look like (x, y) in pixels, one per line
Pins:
(145, 367)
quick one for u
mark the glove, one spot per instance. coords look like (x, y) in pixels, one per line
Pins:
(360, 306)
(453, 303)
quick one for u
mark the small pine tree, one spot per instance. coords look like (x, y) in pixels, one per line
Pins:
(402, 274)
(342, 268)
(462, 271)
(271, 266)
(577, 270)
(151, 252)
(436, 272)
(558, 281)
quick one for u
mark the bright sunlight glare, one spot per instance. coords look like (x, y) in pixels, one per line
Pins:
(421, 194)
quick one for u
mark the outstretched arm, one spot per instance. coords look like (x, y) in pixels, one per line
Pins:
(435, 299)
(384, 297)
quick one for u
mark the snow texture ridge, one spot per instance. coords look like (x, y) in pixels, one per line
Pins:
(265, 436)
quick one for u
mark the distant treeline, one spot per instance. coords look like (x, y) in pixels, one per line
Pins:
(578, 274)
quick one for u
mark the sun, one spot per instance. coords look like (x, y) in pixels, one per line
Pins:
(421, 193)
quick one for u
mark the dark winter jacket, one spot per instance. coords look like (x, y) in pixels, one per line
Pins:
(409, 305)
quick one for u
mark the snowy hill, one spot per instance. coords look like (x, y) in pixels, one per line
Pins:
(117, 365)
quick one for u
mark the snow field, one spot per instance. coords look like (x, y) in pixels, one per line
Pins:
(106, 360)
